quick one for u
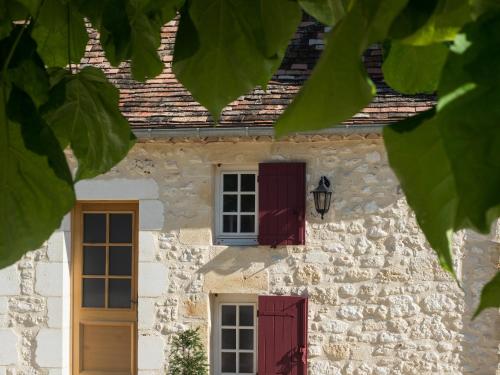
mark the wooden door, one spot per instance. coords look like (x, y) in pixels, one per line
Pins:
(104, 288)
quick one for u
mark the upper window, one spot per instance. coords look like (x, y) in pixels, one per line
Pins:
(237, 204)
(268, 210)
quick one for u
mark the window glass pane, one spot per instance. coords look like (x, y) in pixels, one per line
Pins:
(230, 203)
(246, 363)
(246, 339)
(120, 228)
(230, 224)
(228, 315)
(120, 260)
(246, 316)
(247, 203)
(119, 293)
(93, 293)
(230, 182)
(94, 228)
(247, 223)
(228, 338)
(94, 260)
(247, 182)
(228, 362)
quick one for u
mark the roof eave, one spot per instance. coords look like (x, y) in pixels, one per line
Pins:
(247, 131)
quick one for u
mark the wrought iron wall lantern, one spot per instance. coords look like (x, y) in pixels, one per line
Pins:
(322, 196)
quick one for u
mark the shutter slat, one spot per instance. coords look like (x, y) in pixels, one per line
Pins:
(282, 333)
(281, 204)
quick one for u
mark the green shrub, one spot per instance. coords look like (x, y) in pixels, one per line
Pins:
(188, 356)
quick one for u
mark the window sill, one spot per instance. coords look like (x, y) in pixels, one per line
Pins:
(236, 241)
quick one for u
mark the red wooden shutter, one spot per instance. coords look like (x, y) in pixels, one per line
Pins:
(282, 195)
(282, 335)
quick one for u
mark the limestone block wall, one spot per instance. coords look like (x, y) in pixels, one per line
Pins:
(379, 303)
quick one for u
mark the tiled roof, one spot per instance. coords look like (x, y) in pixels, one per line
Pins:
(162, 102)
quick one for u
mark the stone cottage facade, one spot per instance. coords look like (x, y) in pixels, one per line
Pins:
(377, 301)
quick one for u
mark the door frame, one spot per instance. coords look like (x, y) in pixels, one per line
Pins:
(76, 241)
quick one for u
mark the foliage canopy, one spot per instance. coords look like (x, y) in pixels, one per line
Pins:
(447, 158)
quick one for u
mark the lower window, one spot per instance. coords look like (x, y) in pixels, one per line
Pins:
(236, 334)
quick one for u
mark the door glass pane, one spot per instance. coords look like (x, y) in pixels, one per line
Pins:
(247, 223)
(247, 182)
(119, 293)
(120, 228)
(120, 260)
(228, 315)
(228, 338)
(246, 339)
(246, 363)
(247, 203)
(94, 228)
(94, 260)
(246, 315)
(230, 182)
(230, 224)
(230, 203)
(228, 362)
(93, 293)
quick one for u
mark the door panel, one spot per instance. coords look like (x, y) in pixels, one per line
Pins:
(282, 335)
(106, 347)
(104, 285)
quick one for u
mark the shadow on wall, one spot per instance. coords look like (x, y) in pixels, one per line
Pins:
(482, 335)
(248, 260)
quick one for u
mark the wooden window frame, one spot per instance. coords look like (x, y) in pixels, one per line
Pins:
(76, 271)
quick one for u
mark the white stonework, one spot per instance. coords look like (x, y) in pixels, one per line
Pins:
(49, 280)
(151, 355)
(49, 347)
(54, 312)
(9, 281)
(117, 189)
(8, 352)
(379, 304)
(148, 246)
(152, 279)
(151, 215)
(147, 313)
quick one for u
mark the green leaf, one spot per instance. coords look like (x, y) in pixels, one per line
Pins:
(490, 296)
(339, 85)
(414, 16)
(131, 30)
(224, 48)
(32, 79)
(83, 111)
(418, 157)
(328, 12)
(447, 19)
(60, 33)
(448, 161)
(145, 38)
(414, 69)
(26, 69)
(31, 5)
(11, 11)
(36, 189)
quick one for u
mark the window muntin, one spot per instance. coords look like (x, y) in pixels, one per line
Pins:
(237, 338)
(107, 269)
(237, 206)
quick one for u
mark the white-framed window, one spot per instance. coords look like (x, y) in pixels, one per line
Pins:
(236, 205)
(235, 338)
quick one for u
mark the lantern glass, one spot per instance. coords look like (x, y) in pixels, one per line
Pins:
(322, 196)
